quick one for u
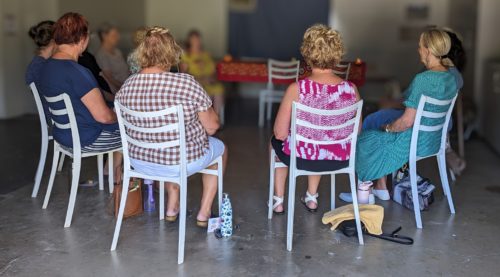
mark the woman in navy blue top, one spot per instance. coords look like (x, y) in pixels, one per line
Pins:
(97, 123)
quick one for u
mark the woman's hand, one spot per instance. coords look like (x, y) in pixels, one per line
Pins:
(403, 123)
(209, 120)
(283, 119)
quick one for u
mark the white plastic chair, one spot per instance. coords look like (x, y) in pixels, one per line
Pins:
(295, 172)
(74, 153)
(277, 70)
(44, 129)
(181, 179)
(342, 70)
(440, 155)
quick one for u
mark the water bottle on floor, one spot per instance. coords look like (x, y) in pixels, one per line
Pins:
(226, 216)
(149, 200)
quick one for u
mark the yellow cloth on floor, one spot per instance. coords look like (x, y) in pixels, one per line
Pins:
(371, 215)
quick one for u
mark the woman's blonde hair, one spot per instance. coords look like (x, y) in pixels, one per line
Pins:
(439, 43)
(158, 48)
(322, 47)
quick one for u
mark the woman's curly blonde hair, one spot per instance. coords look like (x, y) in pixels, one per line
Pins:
(322, 47)
(158, 48)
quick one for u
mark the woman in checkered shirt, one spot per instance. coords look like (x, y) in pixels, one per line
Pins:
(155, 88)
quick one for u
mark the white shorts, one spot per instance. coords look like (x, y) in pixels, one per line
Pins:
(215, 150)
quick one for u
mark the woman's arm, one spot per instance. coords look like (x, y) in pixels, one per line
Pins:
(403, 123)
(94, 102)
(209, 120)
(283, 119)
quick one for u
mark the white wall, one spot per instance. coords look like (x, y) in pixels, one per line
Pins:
(16, 51)
(210, 17)
(487, 45)
(371, 31)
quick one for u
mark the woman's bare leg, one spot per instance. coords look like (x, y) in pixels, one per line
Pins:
(381, 184)
(118, 166)
(210, 190)
(172, 199)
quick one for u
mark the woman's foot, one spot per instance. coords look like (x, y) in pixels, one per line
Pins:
(278, 205)
(310, 202)
(202, 219)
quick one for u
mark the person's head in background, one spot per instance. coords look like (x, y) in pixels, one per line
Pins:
(158, 49)
(42, 35)
(193, 42)
(71, 34)
(457, 52)
(434, 46)
(139, 35)
(322, 47)
(109, 35)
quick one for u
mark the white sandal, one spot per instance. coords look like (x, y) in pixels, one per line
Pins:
(310, 198)
(276, 202)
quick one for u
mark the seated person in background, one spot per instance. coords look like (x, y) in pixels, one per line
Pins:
(199, 63)
(322, 49)
(96, 122)
(88, 60)
(41, 34)
(388, 115)
(155, 88)
(137, 38)
(110, 58)
(383, 149)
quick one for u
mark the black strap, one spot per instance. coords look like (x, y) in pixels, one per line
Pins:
(394, 237)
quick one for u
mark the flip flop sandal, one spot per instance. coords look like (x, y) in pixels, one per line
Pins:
(309, 198)
(204, 223)
(277, 201)
(172, 218)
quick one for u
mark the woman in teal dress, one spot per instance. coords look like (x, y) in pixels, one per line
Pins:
(382, 151)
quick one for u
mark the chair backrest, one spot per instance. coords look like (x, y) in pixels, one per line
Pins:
(67, 110)
(39, 108)
(282, 70)
(124, 115)
(342, 70)
(352, 137)
(418, 126)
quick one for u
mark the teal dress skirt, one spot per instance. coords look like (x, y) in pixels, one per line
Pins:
(379, 153)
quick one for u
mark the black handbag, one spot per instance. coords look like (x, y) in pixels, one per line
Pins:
(348, 227)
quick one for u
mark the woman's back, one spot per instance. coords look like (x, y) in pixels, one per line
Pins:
(326, 97)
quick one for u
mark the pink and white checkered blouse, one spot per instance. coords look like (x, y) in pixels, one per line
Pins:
(325, 97)
(153, 92)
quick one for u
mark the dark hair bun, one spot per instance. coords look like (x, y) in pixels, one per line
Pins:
(41, 33)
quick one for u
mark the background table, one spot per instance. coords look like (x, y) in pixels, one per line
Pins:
(256, 72)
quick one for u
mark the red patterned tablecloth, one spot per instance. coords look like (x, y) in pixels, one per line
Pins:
(241, 71)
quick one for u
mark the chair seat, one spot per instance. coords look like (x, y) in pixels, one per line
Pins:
(69, 151)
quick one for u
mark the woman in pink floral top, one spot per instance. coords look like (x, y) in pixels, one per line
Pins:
(322, 49)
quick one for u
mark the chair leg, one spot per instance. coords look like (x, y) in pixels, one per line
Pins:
(220, 182)
(182, 222)
(261, 109)
(291, 209)
(414, 193)
(61, 162)
(332, 184)
(444, 181)
(55, 160)
(111, 181)
(77, 163)
(41, 165)
(100, 166)
(121, 210)
(355, 205)
(272, 165)
(162, 200)
(269, 111)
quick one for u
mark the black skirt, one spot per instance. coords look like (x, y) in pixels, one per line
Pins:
(309, 165)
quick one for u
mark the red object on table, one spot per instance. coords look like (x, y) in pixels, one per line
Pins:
(241, 71)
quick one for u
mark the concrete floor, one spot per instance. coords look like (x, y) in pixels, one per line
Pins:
(33, 241)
